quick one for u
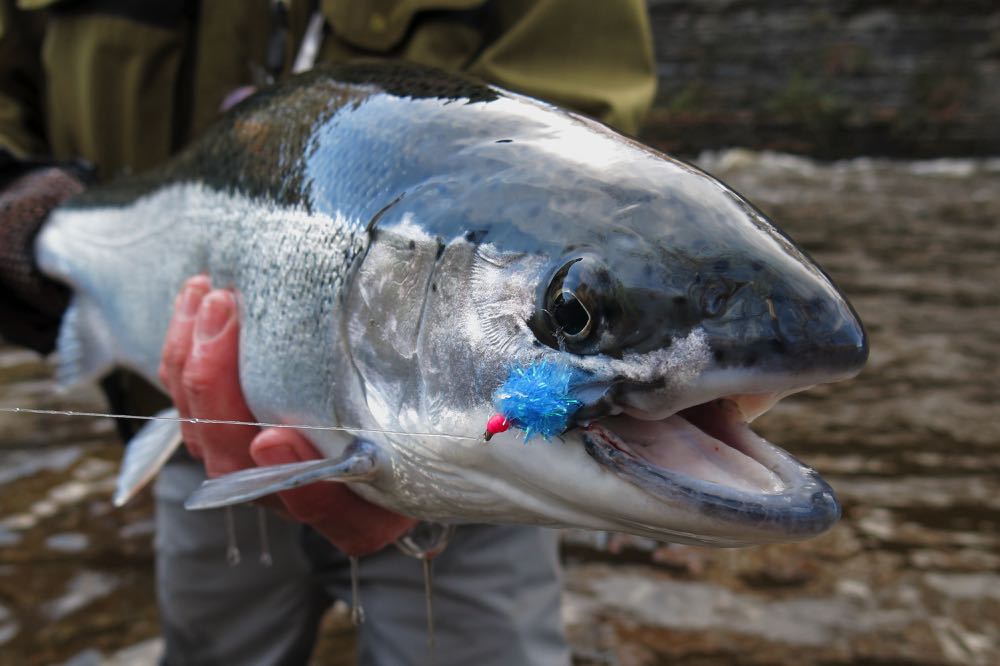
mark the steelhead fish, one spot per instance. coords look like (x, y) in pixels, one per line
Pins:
(400, 239)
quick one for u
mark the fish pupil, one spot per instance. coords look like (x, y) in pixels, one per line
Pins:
(570, 314)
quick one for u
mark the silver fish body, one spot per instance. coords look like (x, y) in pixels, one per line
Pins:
(399, 239)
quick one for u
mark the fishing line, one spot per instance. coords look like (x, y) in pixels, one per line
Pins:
(538, 399)
(232, 548)
(178, 419)
(265, 542)
(357, 612)
(428, 568)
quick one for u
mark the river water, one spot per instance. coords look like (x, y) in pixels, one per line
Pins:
(912, 446)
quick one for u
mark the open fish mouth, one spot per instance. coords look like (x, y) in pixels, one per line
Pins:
(707, 459)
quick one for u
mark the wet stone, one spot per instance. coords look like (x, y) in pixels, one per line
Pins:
(83, 589)
(69, 542)
(8, 537)
(8, 624)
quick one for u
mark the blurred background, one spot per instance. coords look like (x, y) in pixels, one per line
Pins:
(869, 132)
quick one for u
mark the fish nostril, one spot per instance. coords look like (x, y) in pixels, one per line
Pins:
(713, 298)
(717, 294)
(713, 303)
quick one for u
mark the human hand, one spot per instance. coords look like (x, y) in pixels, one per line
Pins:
(199, 367)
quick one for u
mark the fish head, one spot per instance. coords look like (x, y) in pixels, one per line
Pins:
(681, 310)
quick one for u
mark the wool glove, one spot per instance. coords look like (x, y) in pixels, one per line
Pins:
(31, 304)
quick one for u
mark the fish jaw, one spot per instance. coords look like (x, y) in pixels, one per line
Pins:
(698, 476)
(708, 461)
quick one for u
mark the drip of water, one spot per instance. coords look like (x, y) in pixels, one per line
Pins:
(357, 612)
(232, 548)
(426, 541)
(428, 565)
(265, 542)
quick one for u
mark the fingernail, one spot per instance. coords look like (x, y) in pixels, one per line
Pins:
(190, 300)
(215, 312)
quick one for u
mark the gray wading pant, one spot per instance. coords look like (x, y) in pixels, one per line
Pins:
(496, 591)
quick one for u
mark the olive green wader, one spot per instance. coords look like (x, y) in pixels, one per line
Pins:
(125, 84)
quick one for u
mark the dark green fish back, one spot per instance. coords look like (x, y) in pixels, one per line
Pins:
(261, 147)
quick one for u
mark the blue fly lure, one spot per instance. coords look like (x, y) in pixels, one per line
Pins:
(537, 399)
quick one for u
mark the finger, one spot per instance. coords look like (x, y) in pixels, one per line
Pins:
(350, 522)
(211, 385)
(278, 446)
(177, 348)
(370, 529)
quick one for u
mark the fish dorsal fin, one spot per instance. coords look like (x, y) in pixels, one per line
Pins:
(357, 464)
(146, 453)
(84, 345)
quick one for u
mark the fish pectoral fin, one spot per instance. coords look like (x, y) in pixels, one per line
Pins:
(357, 464)
(84, 347)
(146, 454)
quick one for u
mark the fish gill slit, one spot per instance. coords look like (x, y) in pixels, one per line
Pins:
(380, 213)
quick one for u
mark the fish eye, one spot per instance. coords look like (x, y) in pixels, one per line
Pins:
(570, 313)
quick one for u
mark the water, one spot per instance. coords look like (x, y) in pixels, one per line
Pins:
(912, 573)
